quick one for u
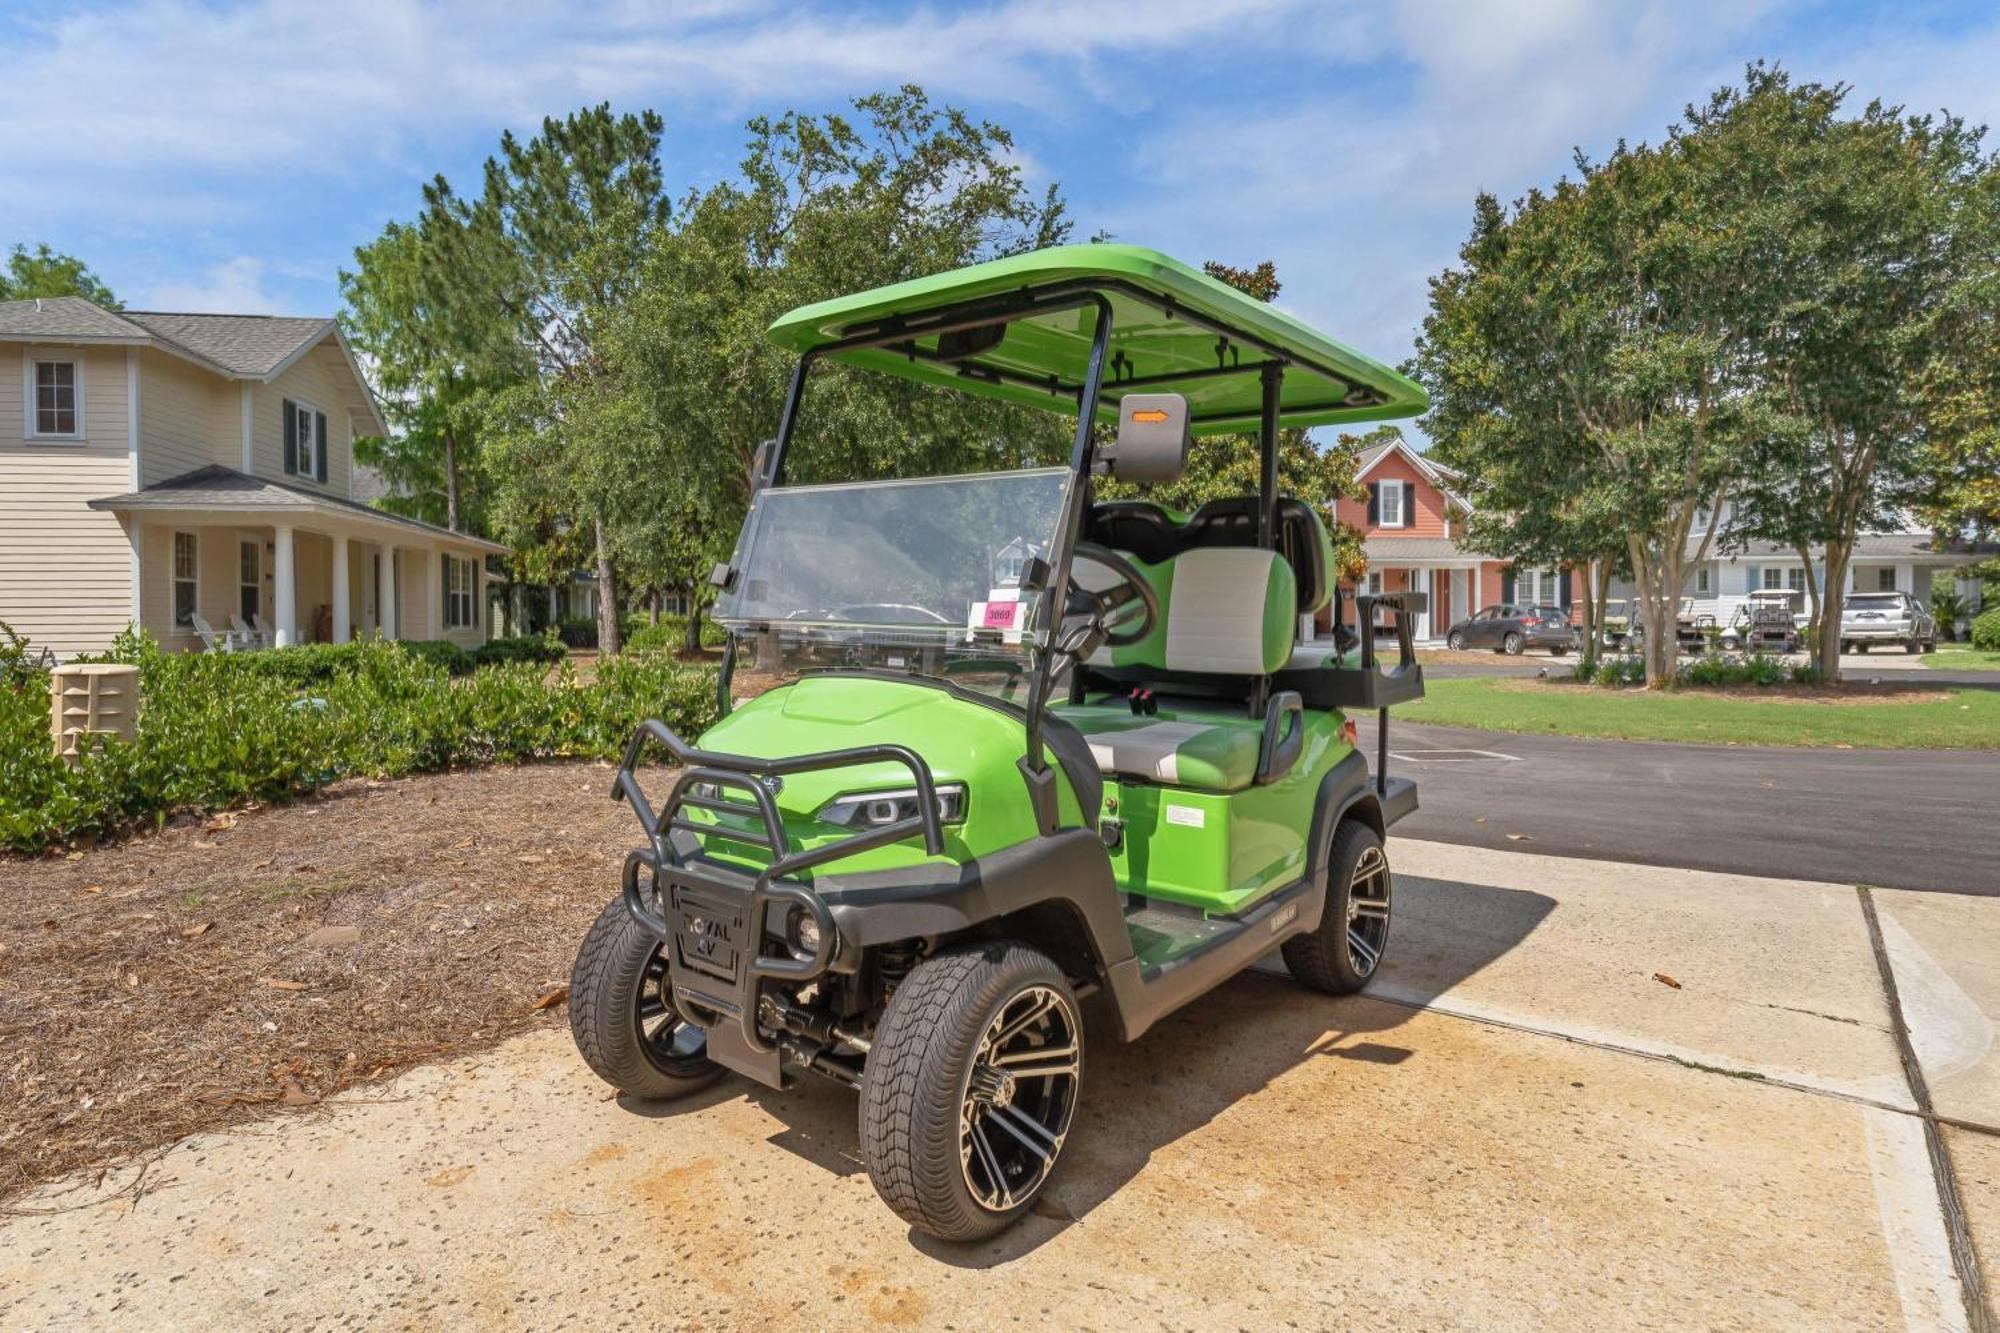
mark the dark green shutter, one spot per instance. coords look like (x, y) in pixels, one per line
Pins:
(291, 438)
(1507, 587)
(1374, 504)
(319, 434)
(1409, 504)
(1563, 593)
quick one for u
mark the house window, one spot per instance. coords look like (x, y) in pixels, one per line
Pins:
(305, 441)
(55, 399)
(459, 583)
(1795, 579)
(187, 565)
(1774, 578)
(1885, 579)
(1701, 580)
(250, 577)
(1389, 507)
(1374, 583)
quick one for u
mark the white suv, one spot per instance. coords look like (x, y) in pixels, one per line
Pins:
(1886, 617)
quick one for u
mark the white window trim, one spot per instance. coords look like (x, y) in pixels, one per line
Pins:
(174, 579)
(1382, 491)
(31, 355)
(313, 413)
(453, 564)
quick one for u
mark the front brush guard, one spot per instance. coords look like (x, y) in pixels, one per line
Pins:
(711, 917)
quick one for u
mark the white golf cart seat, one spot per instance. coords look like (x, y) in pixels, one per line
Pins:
(1227, 611)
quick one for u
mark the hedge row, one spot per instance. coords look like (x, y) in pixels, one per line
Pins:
(1709, 671)
(219, 729)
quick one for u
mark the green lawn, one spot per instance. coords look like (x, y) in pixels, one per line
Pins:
(1961, 657)
(1964, 719)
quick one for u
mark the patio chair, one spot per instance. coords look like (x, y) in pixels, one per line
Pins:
(251, 638)
(215, 640)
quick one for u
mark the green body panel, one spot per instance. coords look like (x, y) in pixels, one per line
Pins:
(1150, 341)
(1222, 852)
(962, 741)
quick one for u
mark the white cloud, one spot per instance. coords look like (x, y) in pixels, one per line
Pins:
(232, 287)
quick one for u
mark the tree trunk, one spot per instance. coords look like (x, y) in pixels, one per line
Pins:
(1602, 592)
(450, 479)
(691, 627)
(653, 606)
(1586, 657)
(1813, 598)
(607, 596)
(1826, 654)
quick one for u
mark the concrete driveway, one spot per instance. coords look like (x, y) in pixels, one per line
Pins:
(1582, 1095)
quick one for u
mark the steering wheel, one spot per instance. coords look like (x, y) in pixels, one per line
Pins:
(1112, 607)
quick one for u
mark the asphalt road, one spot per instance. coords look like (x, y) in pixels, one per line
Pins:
(1912, 819)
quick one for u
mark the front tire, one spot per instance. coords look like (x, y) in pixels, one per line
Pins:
(1342, 956)
(1455, 641)
(622, 1015)
(970, 1088)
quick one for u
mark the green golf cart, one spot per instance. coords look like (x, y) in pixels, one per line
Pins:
(1031, 745)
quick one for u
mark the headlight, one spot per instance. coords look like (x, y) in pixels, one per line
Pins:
(803, 933)
(877, 808)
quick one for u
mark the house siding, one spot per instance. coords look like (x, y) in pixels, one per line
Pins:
(322, 379)
(188, 419)
(65, 569)
(1429, 516)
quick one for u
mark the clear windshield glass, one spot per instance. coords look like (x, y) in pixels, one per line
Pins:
(920, 575)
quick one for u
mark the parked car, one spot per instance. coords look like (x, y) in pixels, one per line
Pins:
(1768, 621)
(1514, 630)
(1868, 618)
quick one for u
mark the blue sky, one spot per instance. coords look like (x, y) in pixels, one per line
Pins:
(230, 157)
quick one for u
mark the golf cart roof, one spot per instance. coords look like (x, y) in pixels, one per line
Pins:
(1020, 329)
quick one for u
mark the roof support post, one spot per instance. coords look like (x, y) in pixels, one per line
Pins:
(1273, 377)
(385, 595)
(340, 606)
(284, 580)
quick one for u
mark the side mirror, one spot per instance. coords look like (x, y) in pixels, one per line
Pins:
(1153, 438)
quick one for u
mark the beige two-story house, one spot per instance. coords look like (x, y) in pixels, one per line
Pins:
(175, 472)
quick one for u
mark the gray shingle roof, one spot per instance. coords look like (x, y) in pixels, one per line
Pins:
(251, 345)
(241, 344)
(217, 487)
(1867, 546)
(63, 317)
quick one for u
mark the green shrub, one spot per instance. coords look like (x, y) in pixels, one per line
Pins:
(546, 649)
(671, 633)
(578, 632)
(20, 665)
(1625, 669)
(223, 728)
(1986, 630)
(1734, 669)
(441, 653)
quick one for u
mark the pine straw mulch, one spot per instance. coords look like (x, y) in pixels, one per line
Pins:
(222, 968)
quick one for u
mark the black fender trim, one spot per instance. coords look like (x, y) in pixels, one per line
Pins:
(1069, 866)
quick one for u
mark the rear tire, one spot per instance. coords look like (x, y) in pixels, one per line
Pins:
(1912, 647)
(959, 1132)
(1343, 955)
(622, 1016)
(1455, 641)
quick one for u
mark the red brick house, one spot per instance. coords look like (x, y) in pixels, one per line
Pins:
(1411, 526)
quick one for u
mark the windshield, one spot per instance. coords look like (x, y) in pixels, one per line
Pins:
(921, 575)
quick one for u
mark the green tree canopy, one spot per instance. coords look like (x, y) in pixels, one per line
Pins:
(45, 272)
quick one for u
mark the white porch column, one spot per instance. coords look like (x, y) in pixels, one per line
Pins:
(284, 578)
(1906, 579)
(340, 610)
(385, 595)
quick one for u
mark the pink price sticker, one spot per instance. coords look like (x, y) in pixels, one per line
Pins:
(1001, 615)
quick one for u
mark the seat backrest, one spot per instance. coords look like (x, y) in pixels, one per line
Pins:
(1223, 610)
(1302, 540)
